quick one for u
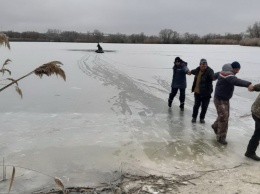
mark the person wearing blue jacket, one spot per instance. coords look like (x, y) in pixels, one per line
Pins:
(179, 82)
(226, 82)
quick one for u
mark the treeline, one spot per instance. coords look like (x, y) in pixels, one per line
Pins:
(165, 36)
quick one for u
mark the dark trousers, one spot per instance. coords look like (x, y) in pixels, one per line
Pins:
(254, 141)
(182, 95)
(199, 101)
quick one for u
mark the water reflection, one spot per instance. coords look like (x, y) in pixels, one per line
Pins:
(188, 141)
(183, 150)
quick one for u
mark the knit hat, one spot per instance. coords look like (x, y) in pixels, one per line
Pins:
(203, 61)
(235, 65)
(177, 59)
(227, 68)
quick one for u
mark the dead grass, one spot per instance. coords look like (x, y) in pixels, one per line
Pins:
(250, 42)
(127, 184)
(4, 40)
(45, 69)
(49, 69)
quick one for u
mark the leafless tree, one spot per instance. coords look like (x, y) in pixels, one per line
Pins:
(69, 36)
(98, 35)
(168, 36)
(190, 38)
(254, 31)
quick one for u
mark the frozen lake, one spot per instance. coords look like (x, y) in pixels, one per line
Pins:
(112, 112)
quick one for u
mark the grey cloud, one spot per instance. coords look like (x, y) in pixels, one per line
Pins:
(135, 16)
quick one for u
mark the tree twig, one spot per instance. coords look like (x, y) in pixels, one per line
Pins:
(213, 170)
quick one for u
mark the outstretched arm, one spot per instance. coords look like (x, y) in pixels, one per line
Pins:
(256, 88)
(211, 75)
(215, 76)
(193, 72)
(238, 82)
(186, 69)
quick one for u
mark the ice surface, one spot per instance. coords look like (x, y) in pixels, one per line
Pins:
(112, 111)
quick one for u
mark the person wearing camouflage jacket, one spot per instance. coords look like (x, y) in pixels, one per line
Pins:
(254, 141)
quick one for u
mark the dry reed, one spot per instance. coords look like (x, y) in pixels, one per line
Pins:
(57, 180)
(12, 179)
(3, 70)
(19, 91)
(59, 183)
(45, 69)
(49, 69)
(4, 40)
(250, 42)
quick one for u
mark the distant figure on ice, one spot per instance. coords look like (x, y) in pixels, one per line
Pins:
(254, 141)
(100, 49)
(202, 88)
(223, 93)
(180, 70)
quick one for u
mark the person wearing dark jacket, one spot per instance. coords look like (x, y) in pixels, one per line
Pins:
(202, 88)
(99, 47)
(254, 141)
(223, 93)
(180, 70)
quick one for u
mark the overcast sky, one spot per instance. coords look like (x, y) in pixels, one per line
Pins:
(130, 16)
